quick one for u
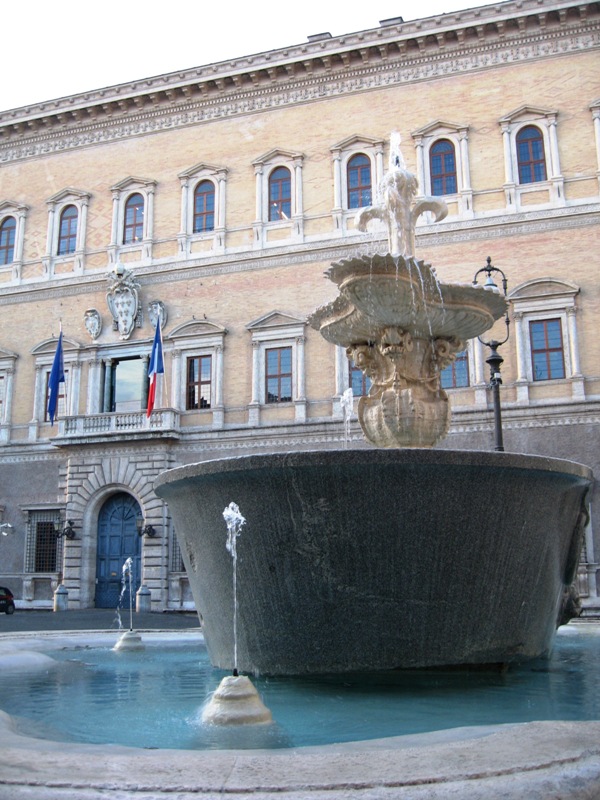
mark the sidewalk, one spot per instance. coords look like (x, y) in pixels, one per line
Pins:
(94, 619)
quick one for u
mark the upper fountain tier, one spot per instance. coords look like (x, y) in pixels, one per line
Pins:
(383, 291)
(400, 325)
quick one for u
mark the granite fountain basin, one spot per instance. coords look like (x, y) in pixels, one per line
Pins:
(361, 560)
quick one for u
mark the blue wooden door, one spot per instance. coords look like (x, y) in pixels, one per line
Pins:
(118, 540)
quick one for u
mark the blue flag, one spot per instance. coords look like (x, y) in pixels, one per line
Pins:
(57, 376)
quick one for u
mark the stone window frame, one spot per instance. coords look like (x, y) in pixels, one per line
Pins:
(7, 371)
(43, 354)
(10, 208)
(264, 166)
(595, 109)
(341, 153)
(458, 135)
(56, 205)
(274, 330)
(192, 339)
(189, 180)
(546, 121)
(545, 299)
(121, 192)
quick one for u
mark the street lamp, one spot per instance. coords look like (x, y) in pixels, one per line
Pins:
(494, 359)
(144, 529)
(67, 530)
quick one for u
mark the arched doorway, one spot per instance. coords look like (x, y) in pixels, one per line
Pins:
(118, 540)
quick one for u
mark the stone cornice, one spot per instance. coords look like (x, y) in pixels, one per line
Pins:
(399, 53)
(325, 250)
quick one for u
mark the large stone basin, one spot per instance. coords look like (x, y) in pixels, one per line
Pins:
(380, 559)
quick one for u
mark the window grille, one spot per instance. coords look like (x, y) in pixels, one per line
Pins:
(43, 552)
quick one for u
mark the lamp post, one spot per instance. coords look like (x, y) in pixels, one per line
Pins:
(494, 359)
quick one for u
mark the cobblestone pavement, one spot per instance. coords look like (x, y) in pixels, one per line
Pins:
(94, 619)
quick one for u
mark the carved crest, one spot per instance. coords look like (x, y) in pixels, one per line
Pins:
(93, 323)
(122, 299)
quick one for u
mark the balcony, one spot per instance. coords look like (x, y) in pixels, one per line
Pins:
(126, 426)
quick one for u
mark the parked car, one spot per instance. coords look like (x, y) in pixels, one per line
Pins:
(7, 601)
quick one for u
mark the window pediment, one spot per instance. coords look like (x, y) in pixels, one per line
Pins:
(439, 128)
(357, 141)
(11, 207)
(527, 113)
(274, 319)
(544, 288)
(202, 169)
(196, 328)
(132, 183)
(49, 346)
(7, 355)
(68, 195)
(277, 154)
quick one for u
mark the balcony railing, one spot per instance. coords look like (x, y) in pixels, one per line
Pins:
(162, 423)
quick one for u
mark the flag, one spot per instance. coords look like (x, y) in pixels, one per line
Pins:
(155, 367)
(57, 376)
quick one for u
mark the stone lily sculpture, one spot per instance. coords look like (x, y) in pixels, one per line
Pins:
(399, 324)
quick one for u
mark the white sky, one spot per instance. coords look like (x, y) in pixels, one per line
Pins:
(53, 49)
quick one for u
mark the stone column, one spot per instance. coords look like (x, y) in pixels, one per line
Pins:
(108, 378)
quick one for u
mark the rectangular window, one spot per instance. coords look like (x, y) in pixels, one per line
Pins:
(61, 407)
(44, 548)
(199, 382)
(547, 355)
(278, 375)
(130, 378)
(456, 375)
(359, 382)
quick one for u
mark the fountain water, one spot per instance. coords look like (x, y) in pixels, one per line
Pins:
(235, 701)
(130, 640)
(378, 559)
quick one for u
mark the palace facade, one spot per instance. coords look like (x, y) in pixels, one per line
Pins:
(214, 199)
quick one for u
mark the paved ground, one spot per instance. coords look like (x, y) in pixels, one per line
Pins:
(94, 619)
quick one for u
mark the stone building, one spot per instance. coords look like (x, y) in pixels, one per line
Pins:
(214, 199)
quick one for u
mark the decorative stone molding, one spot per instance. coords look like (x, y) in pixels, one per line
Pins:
(92, 320)
(450, 44)
(18, 211)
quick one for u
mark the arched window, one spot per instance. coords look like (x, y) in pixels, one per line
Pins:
(530, 155)
(359, 181)
(204, 207)
(442, 166)
(67, 232)
(280, 197)
(7, 240)
(133, 227)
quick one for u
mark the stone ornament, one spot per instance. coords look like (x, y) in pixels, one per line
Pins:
(122, 299)
(93, 323)
(156, 310)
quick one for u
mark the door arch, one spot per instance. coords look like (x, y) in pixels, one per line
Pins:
(118, 540)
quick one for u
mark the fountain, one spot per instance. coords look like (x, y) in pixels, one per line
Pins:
(385, 558)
